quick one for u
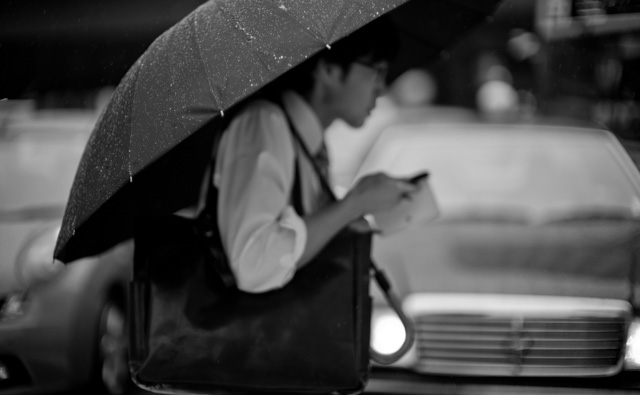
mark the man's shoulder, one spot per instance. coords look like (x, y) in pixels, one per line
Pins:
(261, 107)
(261, 122)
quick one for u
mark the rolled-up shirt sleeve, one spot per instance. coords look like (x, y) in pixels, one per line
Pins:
(262, 234)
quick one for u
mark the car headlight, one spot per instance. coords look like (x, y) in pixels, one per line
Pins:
(13, 306)
(387, 332)
(34, 262)
(632, 353)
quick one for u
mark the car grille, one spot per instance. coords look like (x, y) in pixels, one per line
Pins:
(476, 344)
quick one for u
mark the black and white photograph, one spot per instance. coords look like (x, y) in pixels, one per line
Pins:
(320, 197)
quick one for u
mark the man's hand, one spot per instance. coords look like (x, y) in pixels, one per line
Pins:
(379, 192)
(361, 226)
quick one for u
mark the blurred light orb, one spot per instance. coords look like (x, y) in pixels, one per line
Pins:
(497, 96)
(387, 334)
(415, 87)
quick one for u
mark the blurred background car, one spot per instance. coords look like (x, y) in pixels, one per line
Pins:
(529, 276)
(61, 327)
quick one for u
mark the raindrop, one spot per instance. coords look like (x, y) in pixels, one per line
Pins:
(130, 178)
(222, 113)
(328, 46)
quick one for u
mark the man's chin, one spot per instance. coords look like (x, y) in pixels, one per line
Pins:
(356, 123)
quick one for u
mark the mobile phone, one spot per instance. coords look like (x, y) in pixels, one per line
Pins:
(419, 177)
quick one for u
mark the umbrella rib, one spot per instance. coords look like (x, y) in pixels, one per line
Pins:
(285, 11)
(204, 65)
(137, 68)
(342, 12)
(240, 34)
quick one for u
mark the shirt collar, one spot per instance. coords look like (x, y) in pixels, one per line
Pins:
(305, 120)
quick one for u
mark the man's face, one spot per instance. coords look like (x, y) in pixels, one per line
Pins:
(356, 95)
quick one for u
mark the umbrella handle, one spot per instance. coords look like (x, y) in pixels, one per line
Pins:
(394, 302)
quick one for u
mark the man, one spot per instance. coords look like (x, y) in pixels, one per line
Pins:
(259, 159)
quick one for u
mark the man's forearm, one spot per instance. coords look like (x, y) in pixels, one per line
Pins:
(323, 225)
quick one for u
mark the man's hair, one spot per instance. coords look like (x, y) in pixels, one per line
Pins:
(375, 42)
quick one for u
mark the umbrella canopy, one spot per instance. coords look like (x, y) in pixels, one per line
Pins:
(149, 148)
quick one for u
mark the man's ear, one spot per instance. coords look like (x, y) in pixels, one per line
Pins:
(328, 73)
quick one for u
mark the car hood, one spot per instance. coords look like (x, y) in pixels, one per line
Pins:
(575, 259)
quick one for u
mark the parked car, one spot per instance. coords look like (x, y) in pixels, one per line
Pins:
(528, 279)
(61, 327)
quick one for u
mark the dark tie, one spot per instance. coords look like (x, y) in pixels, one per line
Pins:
(322, 160)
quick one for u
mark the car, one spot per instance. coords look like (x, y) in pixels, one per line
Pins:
(61, 327)
(528, 279)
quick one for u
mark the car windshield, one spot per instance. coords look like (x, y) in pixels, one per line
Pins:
(535, 175)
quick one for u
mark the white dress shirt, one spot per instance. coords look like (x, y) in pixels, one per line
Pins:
(262, 234)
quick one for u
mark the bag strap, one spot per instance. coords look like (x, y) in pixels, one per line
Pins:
(207, 219)
(381, 278)
(205, 186)
(323, 181)
(394, 301)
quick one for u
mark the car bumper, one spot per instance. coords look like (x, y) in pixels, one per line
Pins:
(402, 382)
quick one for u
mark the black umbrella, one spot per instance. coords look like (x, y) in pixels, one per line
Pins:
(149, 148)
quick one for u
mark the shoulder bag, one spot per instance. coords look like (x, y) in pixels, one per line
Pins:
(192, 331)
